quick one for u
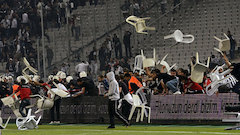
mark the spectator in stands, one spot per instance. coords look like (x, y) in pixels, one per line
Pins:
(172, 85)
(109, 47)
(190, 87)
(65, 68)
(232, 44)
(102, 55)
(163, 6)
(93, 62)
(127, 99)
(235, 67)
(125, 8)
(136, 8)
(103, 85)
(83, 66)
(87, 86)
(117, 46)
(126, 41)
(133, 83)
(1, 48)
(25, 93)
(10, 66)
(49, 55)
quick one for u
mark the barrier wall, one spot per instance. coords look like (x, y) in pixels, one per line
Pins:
(164, 108)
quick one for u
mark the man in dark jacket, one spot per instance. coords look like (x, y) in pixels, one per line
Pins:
(126, 41)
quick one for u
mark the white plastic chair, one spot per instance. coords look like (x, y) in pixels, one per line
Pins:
(138, 64)
(59, 91)
(43, 103)
(28, 66)
(219, 79)
(198, 69)
(224, 44)
(164, 63)
(149, 62)
(29, 122)
(179, 37)
(139, 24)
(138, 104)
(1, 123)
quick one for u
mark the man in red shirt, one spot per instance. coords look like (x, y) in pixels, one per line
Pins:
(25, 93)
(191, 87)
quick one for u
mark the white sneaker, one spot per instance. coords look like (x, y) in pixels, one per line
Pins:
(52, 122)
(57, 122)
(177, 93)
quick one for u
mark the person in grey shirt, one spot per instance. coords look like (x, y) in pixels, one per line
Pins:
(114, 96)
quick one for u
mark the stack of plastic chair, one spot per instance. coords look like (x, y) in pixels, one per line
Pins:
(224, 44)
(29, 122)
(180, 38)
(139, 24)
(149, 62)
(198, 69)
(164, 63)
(141, 104)
(138, 64)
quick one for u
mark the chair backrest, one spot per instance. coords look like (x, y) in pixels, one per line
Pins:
(136, 100)
(138, 64)
(224, 44)
(8, 100)
(164, 63)
(149, 62)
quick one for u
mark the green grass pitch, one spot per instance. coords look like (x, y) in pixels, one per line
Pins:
(93, 129)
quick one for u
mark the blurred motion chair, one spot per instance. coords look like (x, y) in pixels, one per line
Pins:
(139, 24)
(149, 62)
(179, 37)
(224, 44)
(198, 69)
(164, 63)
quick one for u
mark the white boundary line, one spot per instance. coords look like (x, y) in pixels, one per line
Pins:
(107, 131)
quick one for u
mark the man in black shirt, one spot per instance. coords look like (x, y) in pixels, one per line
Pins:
(124, 94)
(88, 87)
(235, 72)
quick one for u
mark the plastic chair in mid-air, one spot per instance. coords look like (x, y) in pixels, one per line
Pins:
(198, 69)
(220, 78)
(180, 38)
(139, 24)
(164, 63)
(149, 62)
(224, 44)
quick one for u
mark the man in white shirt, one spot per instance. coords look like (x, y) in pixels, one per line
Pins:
(25, 18)
(83, 66)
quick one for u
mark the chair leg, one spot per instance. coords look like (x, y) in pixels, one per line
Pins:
(142, 112)
(131, 113)
(149, 115)
(150, 28)
(138, 116)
